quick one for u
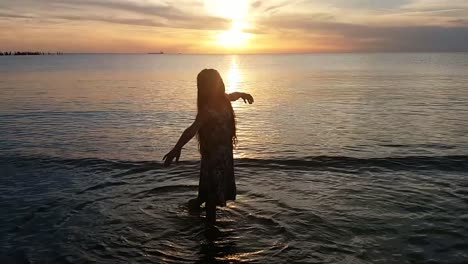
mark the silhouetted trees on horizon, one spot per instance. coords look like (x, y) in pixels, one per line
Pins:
(23, 53)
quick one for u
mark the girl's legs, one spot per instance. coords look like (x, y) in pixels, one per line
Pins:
(194, 204)
(211, 231)
(210, 213)
(210, 208)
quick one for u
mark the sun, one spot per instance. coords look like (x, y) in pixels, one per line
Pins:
(233, 38)
(237, 12)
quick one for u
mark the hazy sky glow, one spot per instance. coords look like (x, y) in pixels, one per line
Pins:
(234, 26)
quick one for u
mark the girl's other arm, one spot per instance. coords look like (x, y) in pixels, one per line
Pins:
(186, 136)
(245, 96)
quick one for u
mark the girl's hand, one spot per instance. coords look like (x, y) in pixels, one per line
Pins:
(247, 98)
(174, 153)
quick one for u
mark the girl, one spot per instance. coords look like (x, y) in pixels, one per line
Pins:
(216, 129)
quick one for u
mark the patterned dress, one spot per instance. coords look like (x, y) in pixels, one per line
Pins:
(217, 182)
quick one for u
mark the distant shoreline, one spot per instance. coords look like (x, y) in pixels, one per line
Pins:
(28, 53)
(23, 53)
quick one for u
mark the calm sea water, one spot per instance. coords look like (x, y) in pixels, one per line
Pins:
(341, 159)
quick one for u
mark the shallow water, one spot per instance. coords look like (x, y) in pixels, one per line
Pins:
(342, 159)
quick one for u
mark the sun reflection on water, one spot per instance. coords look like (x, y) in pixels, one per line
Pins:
(241, 257)
(234, 81)
(234, 76)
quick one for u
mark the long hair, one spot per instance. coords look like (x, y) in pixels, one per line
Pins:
(211, 95)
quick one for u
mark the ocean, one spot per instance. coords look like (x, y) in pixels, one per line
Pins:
(343, 158)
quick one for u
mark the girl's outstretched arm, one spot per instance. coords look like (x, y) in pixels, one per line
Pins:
(186, 136)
(245, 96)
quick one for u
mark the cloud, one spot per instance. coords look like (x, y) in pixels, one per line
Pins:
(373, 37)
(256, 4)
(10, 15)
(142, 8)
(279, 6)
(351, 25)
(460, 22)
(135, 13)
(200, 24)
(427, 5)
(125, 21)
(362, 4)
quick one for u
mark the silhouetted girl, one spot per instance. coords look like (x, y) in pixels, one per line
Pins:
(216, 128)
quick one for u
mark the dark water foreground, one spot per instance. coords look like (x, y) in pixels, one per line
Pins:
(310, 210)
(354, 158)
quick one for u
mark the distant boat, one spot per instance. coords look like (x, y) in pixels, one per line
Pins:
(156, 52)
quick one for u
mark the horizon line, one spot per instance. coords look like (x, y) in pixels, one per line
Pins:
(253, 53)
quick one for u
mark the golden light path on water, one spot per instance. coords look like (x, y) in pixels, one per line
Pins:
(234, 77)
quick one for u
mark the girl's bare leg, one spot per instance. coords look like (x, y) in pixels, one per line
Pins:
(194, 205)
(210, 208)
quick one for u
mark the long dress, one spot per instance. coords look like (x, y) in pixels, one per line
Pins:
(217, 183)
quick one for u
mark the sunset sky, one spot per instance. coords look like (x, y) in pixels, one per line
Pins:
(234, 26)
